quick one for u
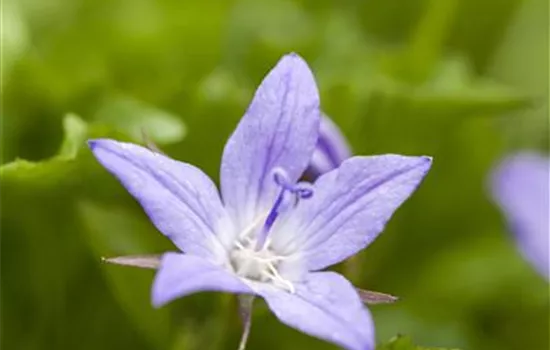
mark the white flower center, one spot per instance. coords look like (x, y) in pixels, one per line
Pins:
(251, 256)
(258, 265)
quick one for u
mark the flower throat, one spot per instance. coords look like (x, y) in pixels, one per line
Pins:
(252, 257)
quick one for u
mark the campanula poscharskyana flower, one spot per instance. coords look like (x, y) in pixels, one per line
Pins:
(265, 233)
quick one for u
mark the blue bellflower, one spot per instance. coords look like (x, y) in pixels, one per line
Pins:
(521, 186)
(269, 235)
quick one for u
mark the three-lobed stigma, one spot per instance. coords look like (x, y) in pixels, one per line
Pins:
(283, 202)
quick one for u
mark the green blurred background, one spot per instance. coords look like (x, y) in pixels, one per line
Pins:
(465, 81)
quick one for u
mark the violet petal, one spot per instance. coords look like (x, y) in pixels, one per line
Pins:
(180, 275)
(181, 201)
(279, 129)
(349, 208)
(521, 186)
(326, 306)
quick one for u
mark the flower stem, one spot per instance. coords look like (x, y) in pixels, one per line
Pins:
(245, 310)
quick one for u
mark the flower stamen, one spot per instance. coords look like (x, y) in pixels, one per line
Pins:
(259, 265)
(277, 278)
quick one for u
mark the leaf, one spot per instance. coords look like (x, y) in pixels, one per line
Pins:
(403, 83)
(65, 181)
(14, 37)
(451, 90)
(454, 86)
(523, 39)
(133, 117)
(427, 40)
(57, 169)
(76, 132)
(119, 230)
(121, 119)
(274, 23)
(404, 343)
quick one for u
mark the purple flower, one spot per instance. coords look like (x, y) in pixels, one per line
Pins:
(331, 150)
(268, 235)
(521, 186)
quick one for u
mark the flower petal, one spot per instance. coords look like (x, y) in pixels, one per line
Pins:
(349, 208)
(180, 275)
(331, 150)
(279, 129)
(326, 306)
(181, 201)
(521, 186)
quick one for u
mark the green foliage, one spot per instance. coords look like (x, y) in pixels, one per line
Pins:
(104, 231)
(53, 170)
(462, 81)
(403, 343)
(126, 114)
(114, 231)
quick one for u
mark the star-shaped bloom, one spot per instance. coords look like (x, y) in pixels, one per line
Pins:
(521, 186)
(266, 234)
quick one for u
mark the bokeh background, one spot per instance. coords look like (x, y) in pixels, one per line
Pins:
(465, 81)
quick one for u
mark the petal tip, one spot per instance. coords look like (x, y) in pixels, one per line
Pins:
(156, 302)
(294, 61)
(158, 299)
(293, 55)
(427, 160)
(425, 163)
(92, 143)
(95, 143)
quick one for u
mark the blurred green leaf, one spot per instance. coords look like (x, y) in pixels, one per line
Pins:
(116, 231)
(122, 117)
(474, 278)
(133, 117)
(76, 131)
(531, 128)
(221, 86)
(401, 83)
(14, 37)
(426, 44)
(57, 168)
(457, 88)
(272, 24)
(403, 343)
(453, 90)
(64, 180)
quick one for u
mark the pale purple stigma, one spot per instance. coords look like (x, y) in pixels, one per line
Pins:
(298, 191)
